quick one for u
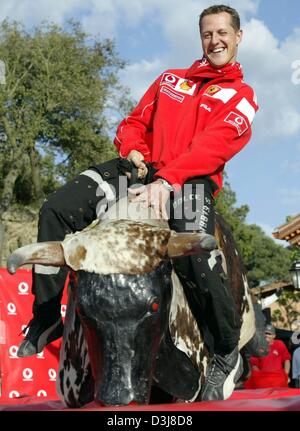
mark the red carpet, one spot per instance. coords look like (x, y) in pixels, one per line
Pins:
(271, 399)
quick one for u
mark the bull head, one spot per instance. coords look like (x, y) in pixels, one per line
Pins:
(123, 297)
(122, 247)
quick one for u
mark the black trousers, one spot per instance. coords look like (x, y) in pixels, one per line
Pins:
(75, 205)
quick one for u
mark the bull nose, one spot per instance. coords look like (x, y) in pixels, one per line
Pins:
(116, 398)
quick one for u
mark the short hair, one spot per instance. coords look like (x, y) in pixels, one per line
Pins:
(218, 8)
(270, 329)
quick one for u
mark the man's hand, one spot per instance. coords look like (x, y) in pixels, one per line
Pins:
(137, 159)
(155, 195)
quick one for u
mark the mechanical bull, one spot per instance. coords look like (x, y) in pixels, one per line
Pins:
(128, 324)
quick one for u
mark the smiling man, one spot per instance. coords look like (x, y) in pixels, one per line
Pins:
(188, 124)
(220, 36)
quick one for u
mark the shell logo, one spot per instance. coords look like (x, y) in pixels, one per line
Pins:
(23, 288)
(186, 85)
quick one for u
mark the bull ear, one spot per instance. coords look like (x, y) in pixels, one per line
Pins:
(186, 243)
(44, 253)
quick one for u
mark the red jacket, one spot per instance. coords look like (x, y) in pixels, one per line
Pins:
(274, 361)
(190, 122)
(271, 368)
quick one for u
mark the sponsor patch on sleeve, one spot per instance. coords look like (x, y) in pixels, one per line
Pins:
(170, 79)
(237, 121)
(180, 85)
(172, 94)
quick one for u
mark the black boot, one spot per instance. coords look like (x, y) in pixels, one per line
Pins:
(45, 327)
(221, 375)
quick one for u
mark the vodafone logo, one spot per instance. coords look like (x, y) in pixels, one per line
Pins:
(24, 330)
(170, 79)
(23, 288)
(40, 355)
(11, 309)
(237, 121)
(13, 394)
(41, 393)
(63, 310)
(27, 375)
(52, 374)
(12, 352)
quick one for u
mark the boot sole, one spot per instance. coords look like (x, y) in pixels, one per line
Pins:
(54, 332)
(232, 378)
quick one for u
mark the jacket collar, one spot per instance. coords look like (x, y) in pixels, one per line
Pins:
(201, 69)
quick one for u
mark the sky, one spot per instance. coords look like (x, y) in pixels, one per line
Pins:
(154, 35)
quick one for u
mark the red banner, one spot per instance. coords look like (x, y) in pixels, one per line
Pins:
(35, 375)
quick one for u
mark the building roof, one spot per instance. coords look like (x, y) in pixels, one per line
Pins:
(289, 231)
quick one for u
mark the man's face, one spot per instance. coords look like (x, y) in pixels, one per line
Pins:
(219, 39)
(269, 337)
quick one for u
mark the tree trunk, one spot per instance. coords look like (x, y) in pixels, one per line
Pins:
(35, 174)
(7, 195)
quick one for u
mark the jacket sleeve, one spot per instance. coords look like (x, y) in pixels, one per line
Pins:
(254, 361)
(226, 133)
(285, 354)
(131, 132)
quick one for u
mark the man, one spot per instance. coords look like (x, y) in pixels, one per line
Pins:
(271, 370)
(188, 124)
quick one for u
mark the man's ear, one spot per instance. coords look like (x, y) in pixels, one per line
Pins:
(239, 36)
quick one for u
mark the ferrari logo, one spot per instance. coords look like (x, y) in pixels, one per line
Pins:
(212, 89)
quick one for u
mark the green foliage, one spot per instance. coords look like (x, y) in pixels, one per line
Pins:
(264, 260)
(53, 107)
(294, 253)
(277, 317)
(287, 300)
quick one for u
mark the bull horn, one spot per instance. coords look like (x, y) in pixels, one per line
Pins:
(44, 253)
(187, 243)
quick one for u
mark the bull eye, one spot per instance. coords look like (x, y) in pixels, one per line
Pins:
(154, 306)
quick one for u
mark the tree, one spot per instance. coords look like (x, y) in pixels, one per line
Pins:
(58, 86)
(53, 122)
(264, 260)
(287, 313)
(288, 299)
